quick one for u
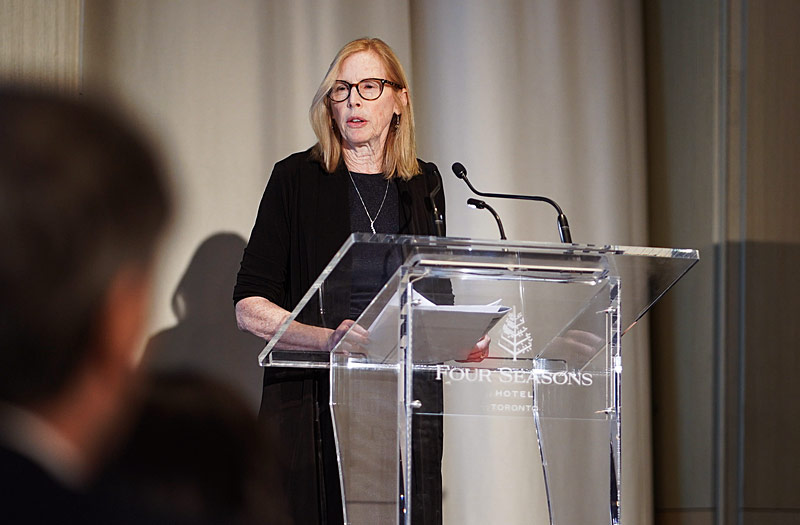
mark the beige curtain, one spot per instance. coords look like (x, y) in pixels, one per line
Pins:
(541, 97)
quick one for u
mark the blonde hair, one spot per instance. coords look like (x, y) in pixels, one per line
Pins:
(400, 150)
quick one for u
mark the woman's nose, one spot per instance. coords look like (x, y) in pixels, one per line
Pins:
(355, 97)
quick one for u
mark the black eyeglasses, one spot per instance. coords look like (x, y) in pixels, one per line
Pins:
(368, 89)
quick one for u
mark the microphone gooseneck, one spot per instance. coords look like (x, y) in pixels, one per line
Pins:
(438, 218)
(481, 205)
(563, 225)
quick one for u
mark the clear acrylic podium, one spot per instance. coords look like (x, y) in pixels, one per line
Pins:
(530, 434)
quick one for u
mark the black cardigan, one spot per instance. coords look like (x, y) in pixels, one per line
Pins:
(304, 218)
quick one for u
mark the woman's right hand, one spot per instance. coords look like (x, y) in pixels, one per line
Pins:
(263, 318)
(356, 339)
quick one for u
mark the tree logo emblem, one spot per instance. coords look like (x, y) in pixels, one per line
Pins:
(516, 340)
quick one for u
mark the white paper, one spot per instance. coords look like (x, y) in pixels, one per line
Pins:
(440, 332)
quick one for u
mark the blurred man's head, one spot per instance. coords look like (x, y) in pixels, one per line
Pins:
(82, 203)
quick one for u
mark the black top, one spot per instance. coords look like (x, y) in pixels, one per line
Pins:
(372, 188)
(372, 198)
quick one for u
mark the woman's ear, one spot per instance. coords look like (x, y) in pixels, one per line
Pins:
(401, 101)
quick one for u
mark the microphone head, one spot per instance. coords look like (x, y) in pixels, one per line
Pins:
(476, 203)
(460, 170)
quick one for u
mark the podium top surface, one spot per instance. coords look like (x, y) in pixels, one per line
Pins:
(366, 263)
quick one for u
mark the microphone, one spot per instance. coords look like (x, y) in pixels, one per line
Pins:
(481, 205)
(563, 226)
(438, 218)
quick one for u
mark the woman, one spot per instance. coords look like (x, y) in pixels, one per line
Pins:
(361, 176)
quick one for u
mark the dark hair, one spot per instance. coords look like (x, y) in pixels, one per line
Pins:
(82, 196)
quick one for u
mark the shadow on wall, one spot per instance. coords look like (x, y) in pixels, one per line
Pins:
(206, 338)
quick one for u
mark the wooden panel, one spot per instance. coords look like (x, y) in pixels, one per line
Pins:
(729, 354)
(681, 81)
(770, 517)
(773, 121)
(771, 463)
(772, 369)
(685, 517)
(40, 42)
(731, 159)
(757, 193)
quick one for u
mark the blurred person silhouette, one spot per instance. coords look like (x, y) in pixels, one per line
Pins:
(83, 201)
(197, 452)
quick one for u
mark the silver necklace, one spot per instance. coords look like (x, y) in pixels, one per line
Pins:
(385, 192)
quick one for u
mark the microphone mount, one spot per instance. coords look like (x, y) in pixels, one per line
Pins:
(438, 218)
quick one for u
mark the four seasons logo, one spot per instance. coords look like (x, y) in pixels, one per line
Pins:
(516, 340)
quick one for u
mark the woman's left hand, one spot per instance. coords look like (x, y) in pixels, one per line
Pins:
(479, 352)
